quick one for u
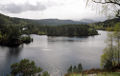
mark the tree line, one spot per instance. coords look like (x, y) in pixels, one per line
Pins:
(63, 30)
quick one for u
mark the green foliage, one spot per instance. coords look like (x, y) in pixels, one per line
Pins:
(41, 33)
(99, 74)
(108, 65)
(45, 74)
(80, 68)
(111, 55)
(117, 28)
(75, 69)
(11, 31)
(92, 31)
(106, 25)
(25, 68)
(26, 39)
(108, 59)
(10, 35)
(70, 69)
(63, 30)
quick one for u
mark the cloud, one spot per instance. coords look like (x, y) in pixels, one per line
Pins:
(19, 8)
(43, 9)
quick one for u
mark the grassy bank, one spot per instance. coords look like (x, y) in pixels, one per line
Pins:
(100, 74)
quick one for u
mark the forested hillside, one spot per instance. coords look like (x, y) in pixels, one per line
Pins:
(106, 25)
(11, 30)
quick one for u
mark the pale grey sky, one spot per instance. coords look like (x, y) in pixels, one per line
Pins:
(44, 9)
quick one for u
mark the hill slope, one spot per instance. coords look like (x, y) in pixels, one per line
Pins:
(106, 25)
(109, 23)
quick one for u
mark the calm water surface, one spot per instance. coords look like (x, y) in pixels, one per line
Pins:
(56, 54)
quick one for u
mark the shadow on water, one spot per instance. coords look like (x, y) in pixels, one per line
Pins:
(14, 51)
(12, 56)
(67, 39)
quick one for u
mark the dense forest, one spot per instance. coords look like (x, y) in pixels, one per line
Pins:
(12, 29)
(63, 30)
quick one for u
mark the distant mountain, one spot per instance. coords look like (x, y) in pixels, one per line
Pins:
(57, 22)
(88, 21)
(45, 21)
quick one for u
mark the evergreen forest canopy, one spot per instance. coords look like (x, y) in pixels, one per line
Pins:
(12, 29)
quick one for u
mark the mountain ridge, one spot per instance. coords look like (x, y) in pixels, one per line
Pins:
(49, 21)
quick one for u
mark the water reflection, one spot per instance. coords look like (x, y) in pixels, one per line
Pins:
(67, 39)
(10, 55)
(14, 51)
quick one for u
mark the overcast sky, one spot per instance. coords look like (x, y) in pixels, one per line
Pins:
(44, 9)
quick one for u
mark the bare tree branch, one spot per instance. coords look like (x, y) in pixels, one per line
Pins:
(118, 14)
(108, 2)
